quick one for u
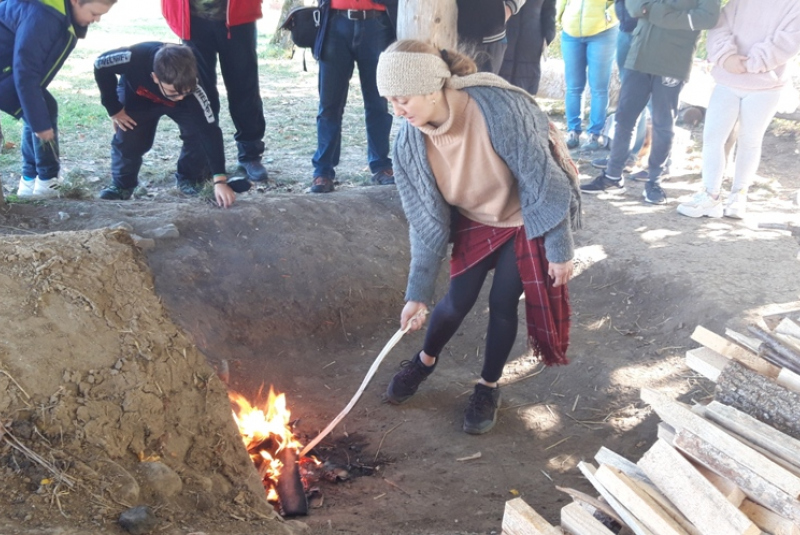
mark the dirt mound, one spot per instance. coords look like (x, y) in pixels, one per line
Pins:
(111, 405)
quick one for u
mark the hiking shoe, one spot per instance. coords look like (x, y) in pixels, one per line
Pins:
(481, 413)
(384, 177)
(701, 204)
(602, 163)
(405, 382)
(602, 183)
(573, 139)
(322, 184)
(596, 142)
(45, 189)
(654, 194)
(255, 170)
(25, 188)
(189, 188)
(736, 205)
(115, 193)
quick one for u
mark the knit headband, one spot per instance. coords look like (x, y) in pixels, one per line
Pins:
(405, 74)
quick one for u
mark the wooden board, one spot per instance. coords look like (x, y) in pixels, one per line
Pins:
(722, 346)
(576, 520)
(693, 494)
(680, 416)
(589, 471)
(520, 518)
(767, 520)
(789, 380)
(706, 362)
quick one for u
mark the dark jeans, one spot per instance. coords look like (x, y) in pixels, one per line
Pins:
(349, 43)
(40, 158)
(238, 62)
(637, 88)
(128, 147)
(503, 302)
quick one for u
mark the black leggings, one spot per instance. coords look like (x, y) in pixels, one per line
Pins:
(503, 303)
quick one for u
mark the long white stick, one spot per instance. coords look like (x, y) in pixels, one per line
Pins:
(388, 347)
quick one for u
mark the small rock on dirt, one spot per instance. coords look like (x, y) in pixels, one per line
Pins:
(143, 243)
(159, 479)
(138, 520)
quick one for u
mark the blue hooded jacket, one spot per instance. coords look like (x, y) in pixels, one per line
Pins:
(36, 37)
(627, 23)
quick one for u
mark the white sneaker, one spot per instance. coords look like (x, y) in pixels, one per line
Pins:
(736, 205)
(701, 204)
(45, 189)
(25, 189)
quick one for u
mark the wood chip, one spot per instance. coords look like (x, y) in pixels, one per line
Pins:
(470, 457)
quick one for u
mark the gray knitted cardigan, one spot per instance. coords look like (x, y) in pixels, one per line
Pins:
(518, 130)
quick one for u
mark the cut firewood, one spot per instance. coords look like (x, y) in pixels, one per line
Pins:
(576, 520)
(603, 507)
(520, 518)
(681, 418)
(666, 433)
(789, 380)
(753, 344)
(788, 353)
(725, 486)
(706, 362)
(759, 397)
(757, 432)
(638, 502)
(693, 494)
(589, 471)
(769, 521)
(752, 482)
(722, 346)
(789, 328)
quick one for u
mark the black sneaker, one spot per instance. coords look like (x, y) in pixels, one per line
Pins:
(481, 413)
(239, 184)
(255, 170)
(384, 177)
(115, 193)
(602, 183)
(405, 382)
(654, 194)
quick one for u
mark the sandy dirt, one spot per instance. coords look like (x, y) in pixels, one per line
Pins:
(302, 292)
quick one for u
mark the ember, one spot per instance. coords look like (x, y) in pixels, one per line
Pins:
(269, 438)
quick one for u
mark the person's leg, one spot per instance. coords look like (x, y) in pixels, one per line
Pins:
(372, 36)
(573, 49)
(238, 61)
(27, 144)
(633, 96)
(192, 162)
(757, 110)
(623, 46)
(335, 69)
(206, 43)
(599, 59)
(721, 115)
(46, 154)
(665, 97)
(129, 146)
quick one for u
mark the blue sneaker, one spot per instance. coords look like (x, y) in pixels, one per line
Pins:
(602, 183)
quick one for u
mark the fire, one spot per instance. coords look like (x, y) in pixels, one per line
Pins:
(266, 432)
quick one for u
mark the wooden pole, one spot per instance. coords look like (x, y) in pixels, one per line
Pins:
(429, 20)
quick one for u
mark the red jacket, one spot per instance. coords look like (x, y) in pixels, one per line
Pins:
(176, 12)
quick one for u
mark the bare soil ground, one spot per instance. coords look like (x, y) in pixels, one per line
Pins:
(301, 292)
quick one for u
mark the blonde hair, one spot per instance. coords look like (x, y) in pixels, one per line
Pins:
(459, 62)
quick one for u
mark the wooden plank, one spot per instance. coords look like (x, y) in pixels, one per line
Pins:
(638, 502)
(788, 328)
(589, 471)
(520, 518)
(759, 433)
(578, 521)
(756, 487)
(693, 494)
(603, 507)
(706, 362)
(725, 486)
(789, 380)
(666, 432)
(722, 346)
(748, 342)
(680, 416)
(767, 520)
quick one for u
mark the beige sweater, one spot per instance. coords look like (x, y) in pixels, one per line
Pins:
(469, 173)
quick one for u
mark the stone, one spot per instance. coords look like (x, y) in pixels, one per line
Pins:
(138, 520)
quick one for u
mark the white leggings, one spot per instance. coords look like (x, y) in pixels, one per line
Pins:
(754, 111)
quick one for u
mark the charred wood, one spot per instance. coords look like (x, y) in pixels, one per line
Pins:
(290, 489)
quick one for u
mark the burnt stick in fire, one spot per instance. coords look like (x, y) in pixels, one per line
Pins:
(290, 490)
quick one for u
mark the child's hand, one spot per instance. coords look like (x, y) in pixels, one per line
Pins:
(122, 121)
(735, 64)
(224, 194)
(46, 135)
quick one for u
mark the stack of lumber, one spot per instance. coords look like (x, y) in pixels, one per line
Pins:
(728, 467)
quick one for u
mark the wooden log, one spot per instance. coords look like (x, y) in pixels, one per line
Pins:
(753, 344)
(757, 487)
(638, 502)
(784, 351)
(429, 20)
(759, 397)
(722, 346)
(693, 494)
(758, 433)
(789, 380)
(767, 520)
(520, 518)
(787, 327)
(578, 521)
(290, 489)
(589, 471)
(706, 362)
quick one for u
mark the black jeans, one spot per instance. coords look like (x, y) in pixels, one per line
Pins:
(637, 88)
(503, 303)
(238, 62)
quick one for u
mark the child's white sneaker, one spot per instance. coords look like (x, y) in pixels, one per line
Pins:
(701, 204)
(736, 205)
(45, 189)
(25, 188)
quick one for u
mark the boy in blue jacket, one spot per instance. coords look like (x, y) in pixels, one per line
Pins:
(36, 37)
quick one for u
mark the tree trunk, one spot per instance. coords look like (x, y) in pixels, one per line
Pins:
(429, 20)
(281, 38)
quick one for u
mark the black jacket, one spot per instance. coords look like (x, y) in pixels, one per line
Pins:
(627, 23)
(527, 31)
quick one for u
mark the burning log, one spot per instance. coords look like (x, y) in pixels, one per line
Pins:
(291, 493)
